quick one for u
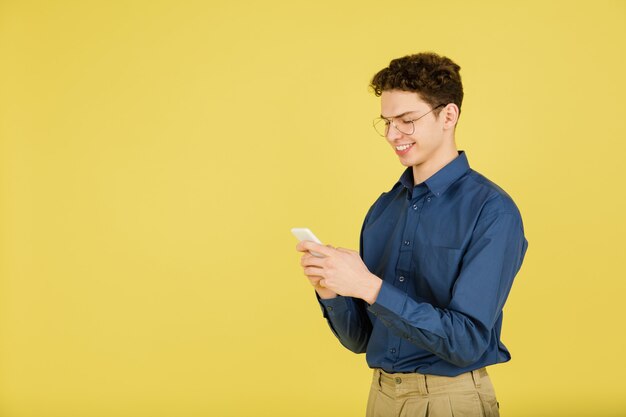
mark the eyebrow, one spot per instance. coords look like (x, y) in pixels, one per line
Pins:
(400, 115)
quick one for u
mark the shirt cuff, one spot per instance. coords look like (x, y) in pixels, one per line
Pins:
(390, 300)
(333, 306)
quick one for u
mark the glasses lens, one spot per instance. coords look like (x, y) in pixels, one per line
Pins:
(381, 126)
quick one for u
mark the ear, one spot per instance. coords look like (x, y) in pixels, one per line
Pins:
(450, 115)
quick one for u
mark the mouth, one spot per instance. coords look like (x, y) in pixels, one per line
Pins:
(404, 148)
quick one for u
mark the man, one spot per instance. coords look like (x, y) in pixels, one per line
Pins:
(438, 255)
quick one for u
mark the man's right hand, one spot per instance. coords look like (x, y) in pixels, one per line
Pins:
(323, 292)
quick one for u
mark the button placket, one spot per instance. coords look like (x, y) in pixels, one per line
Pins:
(393, 349)
(414, 208)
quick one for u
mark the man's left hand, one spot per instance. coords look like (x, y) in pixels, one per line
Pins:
(342, 271)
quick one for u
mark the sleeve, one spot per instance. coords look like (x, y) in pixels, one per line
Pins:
(347, 316)
(461, 333)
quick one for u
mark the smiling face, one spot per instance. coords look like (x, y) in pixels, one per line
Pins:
(431, 145)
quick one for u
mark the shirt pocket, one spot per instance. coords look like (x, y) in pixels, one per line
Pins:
(440, 266)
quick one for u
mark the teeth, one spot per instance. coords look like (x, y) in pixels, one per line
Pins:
(403, 147)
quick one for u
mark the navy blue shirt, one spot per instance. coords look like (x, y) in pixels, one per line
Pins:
(447, 251)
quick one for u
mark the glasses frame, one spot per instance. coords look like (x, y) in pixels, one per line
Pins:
(390, 121)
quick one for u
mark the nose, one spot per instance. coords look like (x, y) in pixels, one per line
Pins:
(393, 133)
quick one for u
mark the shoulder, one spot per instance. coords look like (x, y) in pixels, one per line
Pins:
(385, 199)
(495, 200)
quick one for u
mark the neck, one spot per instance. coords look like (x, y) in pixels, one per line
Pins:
(427, 169)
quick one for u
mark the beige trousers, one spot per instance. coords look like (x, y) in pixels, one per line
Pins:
(416, 395)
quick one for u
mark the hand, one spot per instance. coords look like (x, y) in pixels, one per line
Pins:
(341, 271)
(323, 292)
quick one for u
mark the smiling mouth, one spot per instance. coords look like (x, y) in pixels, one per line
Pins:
(402, 149)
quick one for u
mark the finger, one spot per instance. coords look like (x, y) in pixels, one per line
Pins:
(301, 246)
(311, 271)
(307, 245)
(314, 281)
(344, 250)
(310, 260)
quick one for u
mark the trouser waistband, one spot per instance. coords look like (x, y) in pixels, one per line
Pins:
(429, 384)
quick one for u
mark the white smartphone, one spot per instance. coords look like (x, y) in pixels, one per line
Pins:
(303, 233)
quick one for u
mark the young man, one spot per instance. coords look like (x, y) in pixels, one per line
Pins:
(438, 255)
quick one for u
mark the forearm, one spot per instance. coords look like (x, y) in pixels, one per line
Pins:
(348, 320)
(451, 335)
(460, 331)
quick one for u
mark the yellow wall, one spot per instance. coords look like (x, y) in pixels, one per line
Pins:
(155, 154)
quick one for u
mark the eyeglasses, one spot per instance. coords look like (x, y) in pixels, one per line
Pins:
(401, 123)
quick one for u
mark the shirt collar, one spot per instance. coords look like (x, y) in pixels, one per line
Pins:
(439, 182)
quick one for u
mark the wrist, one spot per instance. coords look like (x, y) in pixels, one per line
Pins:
(372, 289)
(325, 294)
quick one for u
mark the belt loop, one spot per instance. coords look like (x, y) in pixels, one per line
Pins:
(476, 377)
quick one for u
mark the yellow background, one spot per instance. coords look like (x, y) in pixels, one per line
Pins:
(155, 154)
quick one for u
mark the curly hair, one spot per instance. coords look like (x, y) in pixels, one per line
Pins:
(434, 78)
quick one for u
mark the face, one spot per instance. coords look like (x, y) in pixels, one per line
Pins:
(431, 140)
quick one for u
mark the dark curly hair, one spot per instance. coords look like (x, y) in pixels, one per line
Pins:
(435, 78)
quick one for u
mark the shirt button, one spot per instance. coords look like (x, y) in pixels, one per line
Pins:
(428, 199)
(329, 308)
(401, 279)
(392, 350)
(414, 206)
(407, 243)
(398, 380)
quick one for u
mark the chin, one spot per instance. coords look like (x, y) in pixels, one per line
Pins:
(410, 162)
